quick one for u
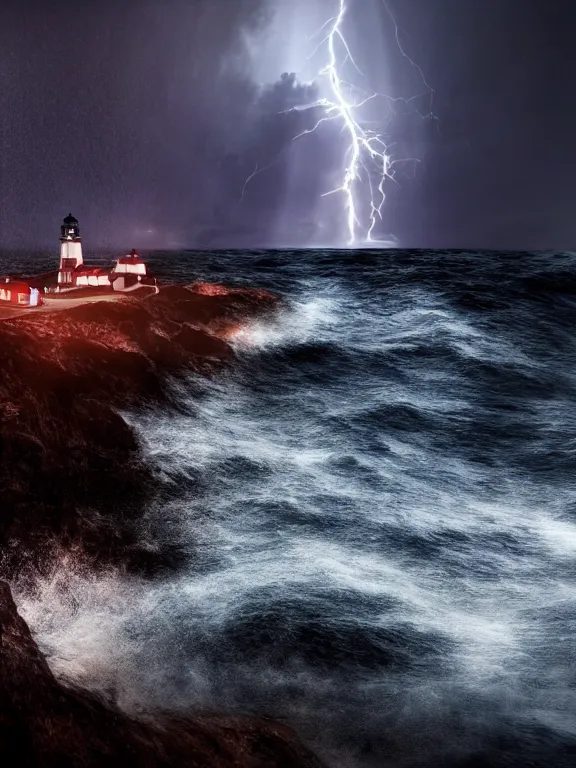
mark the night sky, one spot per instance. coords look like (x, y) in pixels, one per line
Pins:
(145, 119)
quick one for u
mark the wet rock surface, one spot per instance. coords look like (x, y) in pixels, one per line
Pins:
(64, 447)
(71, 473)
(44, 724)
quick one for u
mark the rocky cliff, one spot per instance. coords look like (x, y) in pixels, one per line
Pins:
(66, 452)
(65, 373)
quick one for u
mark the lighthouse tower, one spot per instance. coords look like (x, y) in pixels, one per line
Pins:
(70, 250)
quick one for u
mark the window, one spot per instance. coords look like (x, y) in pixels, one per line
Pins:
(23, 298)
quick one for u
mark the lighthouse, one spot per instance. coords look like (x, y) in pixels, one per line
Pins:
(70, 250)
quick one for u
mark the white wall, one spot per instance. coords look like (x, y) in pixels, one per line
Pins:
(71, 249)
(130, 269)
(95, 280)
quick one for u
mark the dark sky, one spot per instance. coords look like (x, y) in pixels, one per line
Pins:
(145, 118)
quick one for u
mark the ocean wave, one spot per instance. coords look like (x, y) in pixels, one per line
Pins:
(374, 508)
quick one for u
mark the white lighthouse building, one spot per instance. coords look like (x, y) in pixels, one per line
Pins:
(70, 250)
(128, 273)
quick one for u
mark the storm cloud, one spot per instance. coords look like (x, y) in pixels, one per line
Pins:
(146, 119)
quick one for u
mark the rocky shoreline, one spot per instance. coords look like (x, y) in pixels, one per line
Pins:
(65, 450)
(44, 724)
(65, 375)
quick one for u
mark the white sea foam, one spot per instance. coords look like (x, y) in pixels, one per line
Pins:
(308, 318)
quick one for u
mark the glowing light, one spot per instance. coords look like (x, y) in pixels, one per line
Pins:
(368, 163)
(367, 154)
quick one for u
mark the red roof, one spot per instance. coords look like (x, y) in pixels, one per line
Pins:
(130, 260)
(90, 271)
(16, 285)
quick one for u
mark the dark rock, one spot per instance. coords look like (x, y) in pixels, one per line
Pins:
(66, 372)
(65, 450)
(45, 725)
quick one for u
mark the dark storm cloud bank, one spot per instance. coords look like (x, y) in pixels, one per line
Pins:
(256, 198)
(145, 120)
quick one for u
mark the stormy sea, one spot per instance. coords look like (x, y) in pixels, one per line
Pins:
(369, 516)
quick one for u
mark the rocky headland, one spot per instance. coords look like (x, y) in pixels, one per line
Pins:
(66, 450)
(65, 373)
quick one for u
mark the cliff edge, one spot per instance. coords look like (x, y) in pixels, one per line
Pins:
(65, 373)
(71, 472)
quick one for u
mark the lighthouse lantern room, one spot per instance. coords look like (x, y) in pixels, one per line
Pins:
(70, 250)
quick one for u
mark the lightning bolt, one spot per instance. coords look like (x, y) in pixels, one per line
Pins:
(368, 157)
(364, 144)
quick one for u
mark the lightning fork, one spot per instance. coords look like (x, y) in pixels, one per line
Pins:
(367, 153)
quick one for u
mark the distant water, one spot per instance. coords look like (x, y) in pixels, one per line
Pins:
(375, 511)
